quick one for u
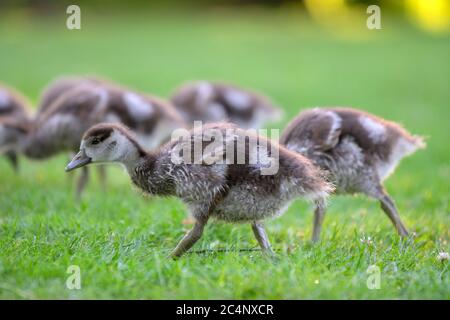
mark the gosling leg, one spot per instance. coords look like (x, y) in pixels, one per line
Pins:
(189, 239)
(388, 206)
(261, 236)
(81, 183)
(319, 214)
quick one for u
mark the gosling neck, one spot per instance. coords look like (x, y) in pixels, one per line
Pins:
(133, 156)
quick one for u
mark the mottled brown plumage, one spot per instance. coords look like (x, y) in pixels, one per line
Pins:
(60, 86)
(141, 112)
(357, 149)
(228, 191)
(216, 101)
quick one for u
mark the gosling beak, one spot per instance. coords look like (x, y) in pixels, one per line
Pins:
(80, 160)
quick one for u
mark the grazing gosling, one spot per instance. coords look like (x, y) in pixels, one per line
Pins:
(59, 126)
(14, 121)
(358, 149)
(211, 189)
(211, 102)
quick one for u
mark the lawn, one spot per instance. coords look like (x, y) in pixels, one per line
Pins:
(120, 239)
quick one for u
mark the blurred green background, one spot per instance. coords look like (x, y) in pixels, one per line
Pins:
(300, 53)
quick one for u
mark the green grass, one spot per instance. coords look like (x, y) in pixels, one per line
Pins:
(120, 239)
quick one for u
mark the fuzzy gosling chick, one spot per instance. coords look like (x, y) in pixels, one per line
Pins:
(211, 189)
(357, 149)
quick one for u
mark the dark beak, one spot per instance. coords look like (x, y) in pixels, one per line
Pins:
(80, 160)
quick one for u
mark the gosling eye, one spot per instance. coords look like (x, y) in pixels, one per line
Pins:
(95, 141)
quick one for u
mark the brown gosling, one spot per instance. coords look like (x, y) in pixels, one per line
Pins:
(216, 101)
(357, 149)
(211, 189)
(14, 121)
(59, 126)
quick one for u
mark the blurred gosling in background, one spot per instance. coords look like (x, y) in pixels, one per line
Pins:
(215, 101)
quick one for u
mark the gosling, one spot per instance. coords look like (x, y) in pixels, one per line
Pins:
(14, 122)
(357, 149)
(211, 188)
(215, 101)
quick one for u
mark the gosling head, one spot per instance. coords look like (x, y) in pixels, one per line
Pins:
(107, 142)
